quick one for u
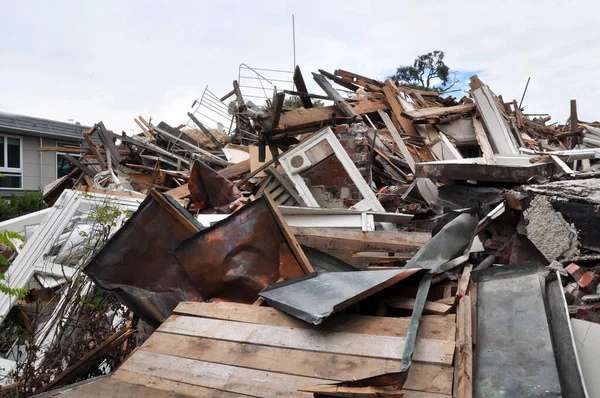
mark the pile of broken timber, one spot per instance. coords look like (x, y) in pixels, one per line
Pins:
(394, 207)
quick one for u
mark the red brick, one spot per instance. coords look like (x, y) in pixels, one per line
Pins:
(588, 282)
(574, 270)
(342, 128)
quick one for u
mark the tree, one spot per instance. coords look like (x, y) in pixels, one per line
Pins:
(423, 72)
(295, 102)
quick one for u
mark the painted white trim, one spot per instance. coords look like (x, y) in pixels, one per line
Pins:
(31, 259)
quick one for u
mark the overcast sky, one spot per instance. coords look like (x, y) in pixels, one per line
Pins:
(113, 60)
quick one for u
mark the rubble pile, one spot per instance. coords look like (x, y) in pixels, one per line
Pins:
(438, 246)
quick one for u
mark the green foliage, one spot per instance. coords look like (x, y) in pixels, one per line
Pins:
(423, 71)
(5, 238)
(295, 102)
(9, 291)
(19, 205)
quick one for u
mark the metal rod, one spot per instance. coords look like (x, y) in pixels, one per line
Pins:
(524, 91)
(269, 80)
(294, 42)
(267, 70)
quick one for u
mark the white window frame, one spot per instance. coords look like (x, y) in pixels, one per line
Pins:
(13, 169)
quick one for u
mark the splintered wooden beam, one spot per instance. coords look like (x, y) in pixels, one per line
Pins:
(339, 80)
(430, 113)
(229, 94)
(289, 236)
(301, 87)
(484, 143)
(358, 79)
(335, 96)
(205, 130)
(391, 95)
(277, 108)
(109, 145)
(95, 151)
(80, 166)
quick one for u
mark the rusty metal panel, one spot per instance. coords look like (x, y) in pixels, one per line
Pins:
(238, 257)
(135, 263)
(211, 191)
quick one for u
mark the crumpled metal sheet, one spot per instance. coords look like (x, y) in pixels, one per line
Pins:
(315, 297)
(450, 244)
(136, 266)
(208, 189)
(238, 257)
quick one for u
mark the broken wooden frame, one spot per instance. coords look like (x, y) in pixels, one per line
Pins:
(316, 149)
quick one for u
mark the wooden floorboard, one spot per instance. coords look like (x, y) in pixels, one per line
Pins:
(386, 347)
(221, 377)
(179, 388)
(424, 377)
(434, 327)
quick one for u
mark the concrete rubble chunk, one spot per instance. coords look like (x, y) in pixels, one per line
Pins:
(549, 232)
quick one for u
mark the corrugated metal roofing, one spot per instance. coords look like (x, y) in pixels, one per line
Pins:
(26, 125)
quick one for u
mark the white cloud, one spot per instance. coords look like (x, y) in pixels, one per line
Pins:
(112, 60)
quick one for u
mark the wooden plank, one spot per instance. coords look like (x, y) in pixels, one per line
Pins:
(335, 97)
(289, 236)
(206, 131)
(356, 77)
(173, 211)
(437, 112)
(236, 169)
(463, 283)
(81, 150)
(464, 345)
(338, 80)
(221, 377)
(276, 359)
(80, 165)
(484, 143)
(391, 95)
(354, 241)
(406, 303)
(298, 120)
(108, 144)
(301, 87)
(368, 392)
(435, 327)
(95, 151)
(112, 387)
(145, 130)
(175, 389)
(385, 347)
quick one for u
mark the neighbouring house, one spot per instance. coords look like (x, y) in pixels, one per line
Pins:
(23, 167)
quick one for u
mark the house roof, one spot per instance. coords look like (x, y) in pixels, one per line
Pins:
(11, 123)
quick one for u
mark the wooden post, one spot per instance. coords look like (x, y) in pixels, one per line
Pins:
(573, 122)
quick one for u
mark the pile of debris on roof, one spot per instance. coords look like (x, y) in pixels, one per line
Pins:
(396, 243)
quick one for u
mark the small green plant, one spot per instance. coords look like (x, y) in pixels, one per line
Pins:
(19, 205)
(6, 238)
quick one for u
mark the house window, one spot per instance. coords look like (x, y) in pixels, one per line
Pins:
(11, 157)
(63, 166)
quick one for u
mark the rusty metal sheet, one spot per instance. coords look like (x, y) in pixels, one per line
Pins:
(238, 257)
(136, 265)
(210, 190)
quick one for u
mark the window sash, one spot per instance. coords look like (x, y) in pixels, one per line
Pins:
(4, 167)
